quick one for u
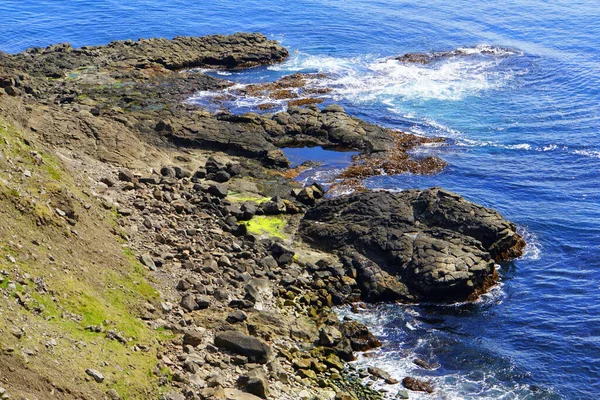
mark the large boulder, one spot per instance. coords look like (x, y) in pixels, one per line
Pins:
(414, 245)
(255, 349)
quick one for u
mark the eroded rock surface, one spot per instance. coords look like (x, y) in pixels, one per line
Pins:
(233, 51)
(414, 245)
(110, 95)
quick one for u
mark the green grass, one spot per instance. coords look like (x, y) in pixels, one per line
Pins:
(114, 288)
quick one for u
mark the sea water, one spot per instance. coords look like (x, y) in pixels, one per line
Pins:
(522, 117)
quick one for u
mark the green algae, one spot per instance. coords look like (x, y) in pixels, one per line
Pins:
(267, 225)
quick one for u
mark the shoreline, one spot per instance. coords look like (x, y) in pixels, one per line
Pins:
(117, 112)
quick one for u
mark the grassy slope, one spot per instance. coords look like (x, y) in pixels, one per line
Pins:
(89, 278)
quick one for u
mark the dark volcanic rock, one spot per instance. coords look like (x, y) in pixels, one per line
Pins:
(259, 136)
(427, 58)
(360, 337)
(249, 346)
(193, 338)
(233, 51)
(417, 385)
(429, 244)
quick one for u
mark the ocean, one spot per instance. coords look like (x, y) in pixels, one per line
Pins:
(521, 112)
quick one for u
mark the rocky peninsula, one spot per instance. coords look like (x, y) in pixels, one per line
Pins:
(153, 249)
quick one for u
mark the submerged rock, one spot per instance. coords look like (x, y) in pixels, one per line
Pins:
(415, 245)
(427, 58)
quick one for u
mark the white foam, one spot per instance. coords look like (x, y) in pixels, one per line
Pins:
(533, 249)
(549, 147)
(483, 143)
(588, 153)
(300, 62)
(391, 82)
(487, 49)
(387, 81)
(397, 360)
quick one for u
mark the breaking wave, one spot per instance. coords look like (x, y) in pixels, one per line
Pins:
(386, 81)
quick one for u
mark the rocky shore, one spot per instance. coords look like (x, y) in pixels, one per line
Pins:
(247, 265)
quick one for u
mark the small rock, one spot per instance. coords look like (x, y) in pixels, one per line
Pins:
(108, 181)
(173, 396)
(147, 260)
(218, 190)
(124, 211)
(125, 175)
(224, 261)
(329, 336)
(188, 303)
(235, 394)
(17, 332)
(237, 316)
(241, 303)
(203, 301)
(113, 395)
(193, 338)
(183, 285)
(168, 172)
(258, 386)
(212, 165)
(200, 173)
(221, 176)
(182, 172)
(166, 307)
(307, 373)
(98, 377)
(150, 180)
(423, 364)
(417, 385)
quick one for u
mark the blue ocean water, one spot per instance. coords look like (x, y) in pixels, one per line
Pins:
(522, 116)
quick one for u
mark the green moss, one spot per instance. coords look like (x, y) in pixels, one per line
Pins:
(53, 172)
(7, 192)
(267, 225)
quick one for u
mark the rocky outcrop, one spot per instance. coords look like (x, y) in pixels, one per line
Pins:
(236, 297)
(140, 88)
(234, 51)
(415, 245)
(256, 135)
